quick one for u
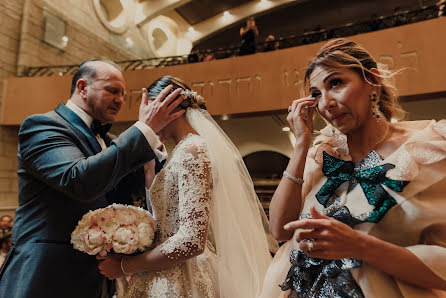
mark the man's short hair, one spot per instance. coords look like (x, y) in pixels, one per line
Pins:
(3, 216)
(87, 71)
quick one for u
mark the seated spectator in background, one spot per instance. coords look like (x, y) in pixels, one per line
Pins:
(399, 18)
(375, 23)
(316, 34)
(330, 34)
(5, 246)
(209, 57)
(271, 44)
(441, 7)
(305, 37)
(249, 33)
(5, 225)
(193, 57)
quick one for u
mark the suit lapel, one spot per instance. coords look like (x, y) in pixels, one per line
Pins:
(80, 128)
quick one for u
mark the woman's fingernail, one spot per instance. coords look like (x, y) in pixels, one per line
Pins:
(286, 226)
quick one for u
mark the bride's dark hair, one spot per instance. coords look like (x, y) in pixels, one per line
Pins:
(190, 101)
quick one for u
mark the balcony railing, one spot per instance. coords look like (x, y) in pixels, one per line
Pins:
(374, 24)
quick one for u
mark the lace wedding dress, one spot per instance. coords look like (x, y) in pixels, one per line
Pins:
(210, 221)
(181, 200)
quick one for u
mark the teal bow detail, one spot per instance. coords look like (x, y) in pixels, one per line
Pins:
(371, 180)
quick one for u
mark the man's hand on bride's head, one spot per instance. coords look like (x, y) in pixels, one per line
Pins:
(159, 112)
(110, 265)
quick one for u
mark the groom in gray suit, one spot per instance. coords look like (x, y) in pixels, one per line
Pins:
(68, 165)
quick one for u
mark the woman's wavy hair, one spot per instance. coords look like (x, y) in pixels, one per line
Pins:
(338, 53)
(190, 101)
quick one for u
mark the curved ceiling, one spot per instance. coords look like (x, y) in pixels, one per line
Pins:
(184, 22)
(194, 13)
(212, 24)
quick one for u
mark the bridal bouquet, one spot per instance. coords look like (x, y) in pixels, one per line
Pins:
(122, 228)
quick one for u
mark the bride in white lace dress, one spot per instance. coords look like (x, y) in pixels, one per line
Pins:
(211, 240)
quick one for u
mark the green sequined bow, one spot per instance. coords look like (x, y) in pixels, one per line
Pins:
(371, 180)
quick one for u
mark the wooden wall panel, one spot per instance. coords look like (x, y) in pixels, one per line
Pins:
(261, 82)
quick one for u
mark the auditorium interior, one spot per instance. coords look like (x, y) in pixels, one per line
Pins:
(43, 41)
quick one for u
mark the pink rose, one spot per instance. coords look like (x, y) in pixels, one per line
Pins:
(94, 239)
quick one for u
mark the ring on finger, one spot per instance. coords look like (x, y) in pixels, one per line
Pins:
(310, 245)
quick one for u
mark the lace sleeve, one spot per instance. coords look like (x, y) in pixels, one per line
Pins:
(194, 192)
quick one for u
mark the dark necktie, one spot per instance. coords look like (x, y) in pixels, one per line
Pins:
(98, 128)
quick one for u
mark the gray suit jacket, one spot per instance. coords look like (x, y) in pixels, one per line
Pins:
(63, 174)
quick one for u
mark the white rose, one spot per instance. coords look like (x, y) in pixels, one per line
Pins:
(103, 215)
(77, 236)
(146, 235)
(86, 220)
(125, 216)
(77, 239)
(125, 240)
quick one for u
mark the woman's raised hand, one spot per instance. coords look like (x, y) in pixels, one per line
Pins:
(300, 118)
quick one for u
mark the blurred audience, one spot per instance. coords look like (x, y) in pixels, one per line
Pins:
(400, 18)
(5, 246)
(5, 225)
(193, 57)
(5, 236)
(271, 44)
(208, 56)
(441, 7)
(249, 33)
(375, 23)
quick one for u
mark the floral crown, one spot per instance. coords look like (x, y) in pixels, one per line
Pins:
(189, 94)
(196, 99)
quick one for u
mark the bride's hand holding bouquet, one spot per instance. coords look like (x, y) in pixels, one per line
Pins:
(117, 228)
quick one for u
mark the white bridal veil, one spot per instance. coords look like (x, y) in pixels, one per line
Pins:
(236, 221)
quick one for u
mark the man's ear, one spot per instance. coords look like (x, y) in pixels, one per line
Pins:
(81, 86)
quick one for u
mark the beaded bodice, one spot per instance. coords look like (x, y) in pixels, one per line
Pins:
(181, 198)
